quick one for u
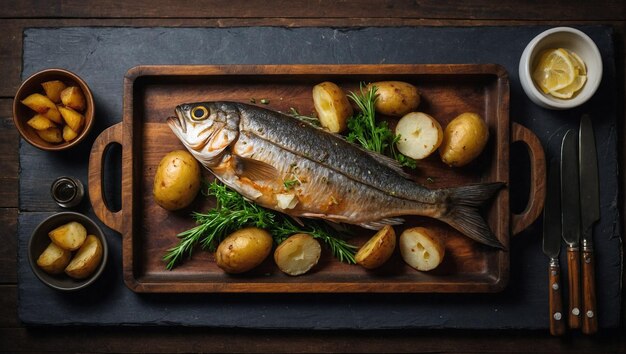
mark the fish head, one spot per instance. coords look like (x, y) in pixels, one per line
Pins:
(206, 129)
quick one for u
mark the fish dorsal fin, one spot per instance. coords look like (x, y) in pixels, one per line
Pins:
(389, 162)
(380, 158)
(255, 170)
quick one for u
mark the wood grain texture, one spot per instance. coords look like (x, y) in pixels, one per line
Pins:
(573, 277)
(479, 9)
(144, 143)
(8, 245)
(589, 310)
(556, 315)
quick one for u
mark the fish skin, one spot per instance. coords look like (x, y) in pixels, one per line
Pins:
(255, 150)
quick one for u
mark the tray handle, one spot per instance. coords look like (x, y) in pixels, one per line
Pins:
(109, 136)
(537, 177)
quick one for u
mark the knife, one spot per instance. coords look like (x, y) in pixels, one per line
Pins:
(552, 248)
(590, 198)
(570, 220)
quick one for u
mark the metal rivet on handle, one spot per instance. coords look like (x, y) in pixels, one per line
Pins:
(590, 314)
(557, 316)
(575, 311)
(555, 286)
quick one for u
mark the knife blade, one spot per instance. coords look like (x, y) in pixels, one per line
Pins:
(570, 220)
(552, 248)
(590, 199)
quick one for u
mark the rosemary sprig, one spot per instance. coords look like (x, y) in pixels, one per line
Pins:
(372, 135)
(233, 212)
(313, 120)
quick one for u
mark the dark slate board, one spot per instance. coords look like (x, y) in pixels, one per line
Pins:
(103, 55)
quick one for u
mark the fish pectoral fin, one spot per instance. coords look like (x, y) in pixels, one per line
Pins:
(255, 170)
(379, 224)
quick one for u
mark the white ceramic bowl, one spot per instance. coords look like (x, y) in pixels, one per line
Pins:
(572, 40)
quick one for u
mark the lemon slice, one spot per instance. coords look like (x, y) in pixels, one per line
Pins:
(554, 71)
(579, 64)
(569, 90)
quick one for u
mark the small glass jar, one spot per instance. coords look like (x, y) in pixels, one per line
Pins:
(67, 191)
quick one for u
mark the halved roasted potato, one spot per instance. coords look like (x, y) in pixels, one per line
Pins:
(73, 119)
(86, 259)
(420, 135)
(69, 236)
(332, 106)
(69, 134)
(54, 259)
(421, 249)
(377, 250)
(39, 122)
(297, 254)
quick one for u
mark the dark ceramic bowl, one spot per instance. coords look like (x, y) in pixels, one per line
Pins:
(21, 113)
(39, 240)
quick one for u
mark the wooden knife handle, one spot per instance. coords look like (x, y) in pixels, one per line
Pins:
(557, 323)
(590, 318)
(573, 265)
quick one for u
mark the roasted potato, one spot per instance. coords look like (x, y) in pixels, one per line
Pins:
(44, 106)
(297, 254)
(54, 259)
(73, 97)
(73, 119)
(51, 135)
(395, 98)
(53, 90)
(39, 122)
(86, 260)
(464, 139)
(69, 236)
(420, 135)
(177, 180)
(69, 134)
(332, 106)
(421, 249)
(377, 250)
(243, 250)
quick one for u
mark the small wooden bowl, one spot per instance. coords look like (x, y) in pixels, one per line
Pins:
(39, 240)
(21, 113)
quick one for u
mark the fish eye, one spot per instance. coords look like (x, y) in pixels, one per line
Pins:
(199, 113)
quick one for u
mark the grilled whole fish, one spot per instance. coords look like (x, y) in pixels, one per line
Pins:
(295, 168)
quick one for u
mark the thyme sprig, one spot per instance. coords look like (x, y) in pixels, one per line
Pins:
(372, 135)
(233, 212)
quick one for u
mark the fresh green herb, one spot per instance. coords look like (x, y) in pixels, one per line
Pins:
(265, 101)
(372, 135)
(313, 120)
(252, 100)
(430, 180)
(291, 183)
(233, 212)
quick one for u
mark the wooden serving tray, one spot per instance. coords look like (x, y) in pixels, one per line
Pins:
(152, 92)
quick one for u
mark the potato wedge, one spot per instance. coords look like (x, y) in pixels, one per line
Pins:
(243, 250)
(44, 106)
(69, 236)
(378, 249)
(420, 135)
(464, 139)
(86, 260)
(297, 254)
(421, 249)
(54, 259)
(68, 133)
(73, 119)
(395, 98)
(73, 97)
(51, 135)
(332, 106)
(39, 122)
(53, 89)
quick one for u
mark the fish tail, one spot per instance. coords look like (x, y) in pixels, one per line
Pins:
(463, 212)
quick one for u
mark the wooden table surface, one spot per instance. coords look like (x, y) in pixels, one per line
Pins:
(16, 15)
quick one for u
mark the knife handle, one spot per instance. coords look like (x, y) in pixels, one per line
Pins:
(590, 318)
(573, 265)
(557, 324)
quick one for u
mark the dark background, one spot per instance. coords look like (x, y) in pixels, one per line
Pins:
(16, 16)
